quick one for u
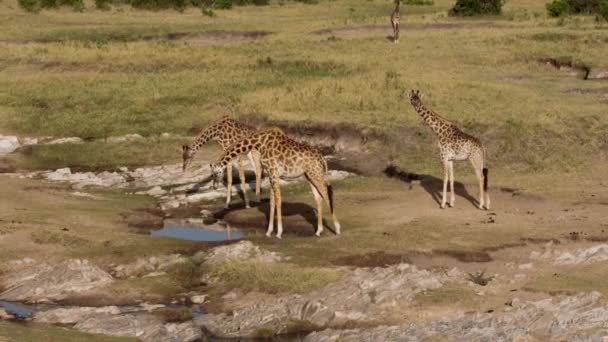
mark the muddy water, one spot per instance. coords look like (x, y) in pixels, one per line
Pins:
(20, 311)
(195, 231)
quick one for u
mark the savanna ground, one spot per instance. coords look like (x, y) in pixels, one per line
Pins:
(97, 74)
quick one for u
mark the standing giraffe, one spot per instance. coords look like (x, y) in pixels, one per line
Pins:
(395, 18)
(282, 157)
(226, 132)
(454, 144)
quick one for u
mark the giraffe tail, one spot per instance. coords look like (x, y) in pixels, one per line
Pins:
(485, 178)
(330, 194)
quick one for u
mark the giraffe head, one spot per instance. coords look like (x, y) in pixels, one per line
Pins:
(187, 155)
(415, 98)
(217, 172)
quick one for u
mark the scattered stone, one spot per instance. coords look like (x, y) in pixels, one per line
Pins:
(43, 282)
(8, 144)
(198, 299)
(242, 250)
(527, 266)
(165, 135)
(5, 315)
(70, 140)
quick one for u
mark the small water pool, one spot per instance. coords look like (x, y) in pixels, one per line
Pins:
(20, 311)
(193, 231)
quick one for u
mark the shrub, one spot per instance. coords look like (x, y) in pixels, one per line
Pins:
(29, 5)
(418, 2)
(475, 7)
(103, 4)
(558, 8)
(222, 4)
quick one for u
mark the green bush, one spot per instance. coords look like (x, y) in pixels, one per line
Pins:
(29, 5)
(604, 9)
(103, 4)
(559, 8)
(475, 7)
(222, 4)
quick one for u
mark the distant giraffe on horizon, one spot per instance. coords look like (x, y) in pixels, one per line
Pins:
(395, 21)
(282, 157)
(227, 132)
(455, 145)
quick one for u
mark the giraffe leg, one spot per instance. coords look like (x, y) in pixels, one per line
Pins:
(319, 200)
(451, 174)
(445, 183)
(478, 167)
(229, 185)
(243, 184)
(254, 159)
(277, 190)
(326, 192)
(271, 211)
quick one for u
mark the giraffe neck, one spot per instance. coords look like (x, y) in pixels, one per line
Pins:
(432, 119)
(213, 132)
(236, 150)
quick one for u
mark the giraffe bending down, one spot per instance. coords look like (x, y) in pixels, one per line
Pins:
(455, 145)
(395, 22)
(284, 158)
(226, 132)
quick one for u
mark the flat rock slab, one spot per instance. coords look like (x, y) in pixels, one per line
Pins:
(41, 282)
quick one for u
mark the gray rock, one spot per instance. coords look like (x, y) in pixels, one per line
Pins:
(597, 73)
(588, 255)
(124, 138)
(144, 266)
(43, 282)
(8, 144)
(69, 140)
(364, 296)
(576, 318)
(155, 191)
(242, 250)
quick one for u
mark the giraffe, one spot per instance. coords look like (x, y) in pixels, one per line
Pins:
(455, 145)
(395, 18)
(226, 132)
(282, 157)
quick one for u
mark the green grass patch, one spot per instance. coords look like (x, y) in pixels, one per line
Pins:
(32, 332)
(574, 280)
(94, 156)
(273, 277)
(447, 294)
(58, 238)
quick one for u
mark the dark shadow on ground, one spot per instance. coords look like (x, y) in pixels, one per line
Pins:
(292, 225)
(432, 185)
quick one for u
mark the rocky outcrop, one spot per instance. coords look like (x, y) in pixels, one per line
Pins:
(131, 322)
(579, 256)
(33, 282)
(68, 140)
(8, 144)
(144, 266)
(576, 318)
(598, 73)
(364, 296)
(242, 250)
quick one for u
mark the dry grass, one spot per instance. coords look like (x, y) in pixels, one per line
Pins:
(272, 277)
(95, 74)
